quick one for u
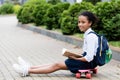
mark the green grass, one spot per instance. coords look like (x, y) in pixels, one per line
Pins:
(115, 43)
(78, 35)
(44, 27)
(57, 30)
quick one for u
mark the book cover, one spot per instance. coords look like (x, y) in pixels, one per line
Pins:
(68, 53)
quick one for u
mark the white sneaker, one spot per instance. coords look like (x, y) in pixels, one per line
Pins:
(22, 62)
(23, 71)
(17, 68)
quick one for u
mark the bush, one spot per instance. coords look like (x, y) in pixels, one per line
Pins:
(39, 13)
(92, 1)
(54, 1)
(6, 8)
(115, 0)
(70, 17)
(16, 8)
(69, 21)
(106, 11)
(25, 15)
(53, 15)
(114, 28)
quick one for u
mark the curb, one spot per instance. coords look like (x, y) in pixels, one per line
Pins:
(65, 38)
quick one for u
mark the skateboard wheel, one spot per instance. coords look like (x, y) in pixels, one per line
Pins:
(95, 71)
(88, 75)
(78, 75)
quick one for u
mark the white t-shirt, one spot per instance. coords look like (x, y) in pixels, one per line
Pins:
(90, 45)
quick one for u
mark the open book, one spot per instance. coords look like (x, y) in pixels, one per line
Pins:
(68, 53)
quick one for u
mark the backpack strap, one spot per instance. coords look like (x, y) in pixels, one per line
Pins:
(93, 32)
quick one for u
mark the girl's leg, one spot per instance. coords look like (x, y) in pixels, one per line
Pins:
(49, 68)
(39, 66)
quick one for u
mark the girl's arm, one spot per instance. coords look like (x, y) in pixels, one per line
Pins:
(81, 59)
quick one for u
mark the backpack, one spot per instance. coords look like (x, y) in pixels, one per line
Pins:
(104, 53)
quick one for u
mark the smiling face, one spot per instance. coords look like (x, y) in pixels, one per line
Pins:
(83, 23)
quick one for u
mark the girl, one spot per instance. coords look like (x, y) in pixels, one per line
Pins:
(85, 21)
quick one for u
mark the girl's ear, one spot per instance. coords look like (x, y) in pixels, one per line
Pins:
(90, 23)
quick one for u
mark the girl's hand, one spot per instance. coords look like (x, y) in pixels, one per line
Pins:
(72, 57)
(75, 58)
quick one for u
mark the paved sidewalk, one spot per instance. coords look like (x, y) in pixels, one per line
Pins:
(39, 49)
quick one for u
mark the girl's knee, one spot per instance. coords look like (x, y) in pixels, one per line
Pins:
(57, 64)
(60, 65)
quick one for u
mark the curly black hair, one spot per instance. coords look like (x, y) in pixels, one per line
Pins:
(91, 17)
